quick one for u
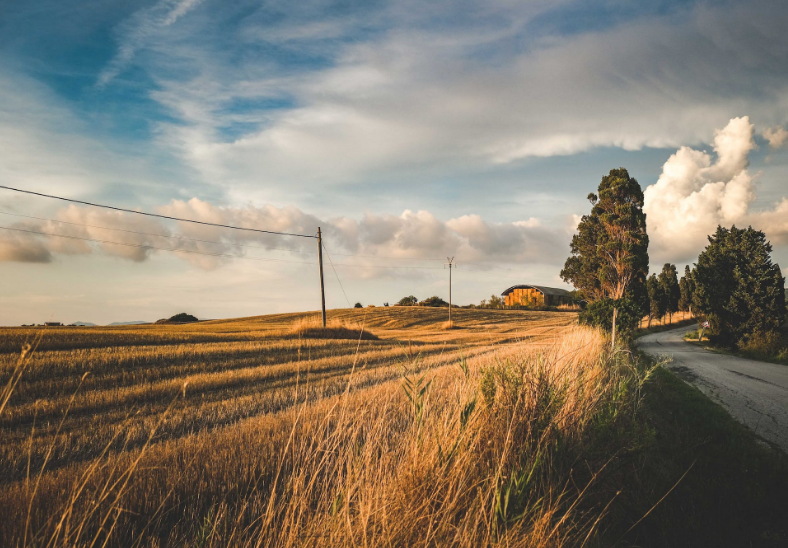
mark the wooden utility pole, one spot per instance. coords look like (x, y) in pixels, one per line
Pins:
(450, 264)
(320, 261)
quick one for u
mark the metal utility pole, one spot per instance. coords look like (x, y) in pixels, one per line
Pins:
(320, 261)
(450, 264)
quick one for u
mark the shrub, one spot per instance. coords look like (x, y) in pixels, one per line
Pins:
(764, 346)
(183, 317)
(600, 314)
(358, 305)
(433, 301)
(410, 300)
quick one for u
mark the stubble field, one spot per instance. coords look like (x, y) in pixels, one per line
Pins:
(266, 431)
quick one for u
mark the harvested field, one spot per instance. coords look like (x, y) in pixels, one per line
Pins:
(235, 369)
(274, 438)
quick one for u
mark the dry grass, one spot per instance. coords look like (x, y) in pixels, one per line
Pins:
(668, 319)
(238, 433)
(312, 328)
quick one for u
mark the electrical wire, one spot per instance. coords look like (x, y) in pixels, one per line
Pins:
(209, 241)
(146, 246)
(177, 250)
(337, 275)
(156, 235)
(71, 200)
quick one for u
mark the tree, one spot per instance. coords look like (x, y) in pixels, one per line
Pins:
(410, 300)
(738, 288)
(655, 298)
(600, 313)
(495, 301)
(433, 301)
(686, 288)
(357, 305)
(669, 285)
(609, 253)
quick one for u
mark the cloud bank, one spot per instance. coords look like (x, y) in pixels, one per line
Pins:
(695, 193)
(411, 235)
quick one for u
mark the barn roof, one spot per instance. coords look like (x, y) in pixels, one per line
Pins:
(543, 290)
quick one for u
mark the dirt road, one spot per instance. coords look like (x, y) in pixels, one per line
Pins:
(753, 392)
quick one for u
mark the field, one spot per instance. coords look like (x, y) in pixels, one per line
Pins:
(266, 431)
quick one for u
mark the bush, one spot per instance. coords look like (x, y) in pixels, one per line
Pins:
(600, 314)
(357, 305)
(410, 300)
(765, 346)
(433, 301)
(183, 317)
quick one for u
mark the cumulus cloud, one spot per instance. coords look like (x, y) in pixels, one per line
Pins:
(695, 193)
(412, 235)
(23, 247)
(777, 136)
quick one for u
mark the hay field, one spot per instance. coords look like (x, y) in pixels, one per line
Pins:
(251, 432)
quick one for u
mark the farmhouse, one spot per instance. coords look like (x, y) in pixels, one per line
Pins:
(536, 295)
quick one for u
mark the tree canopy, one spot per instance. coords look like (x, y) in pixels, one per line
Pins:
(410, 300)
(669, 287)
(656, 298)
(433, 301)
(738, 288)
(687, 289)
(609, 253)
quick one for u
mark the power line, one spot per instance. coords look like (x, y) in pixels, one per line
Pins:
(209, 241)
(337, 275)
(177, 250)
(156, 235)
(154, 214)
(146, 246)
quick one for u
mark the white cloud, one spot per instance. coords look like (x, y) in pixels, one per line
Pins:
(695, 194)
(776, 136)
(411, 235)
(140, 30)
(385, 105)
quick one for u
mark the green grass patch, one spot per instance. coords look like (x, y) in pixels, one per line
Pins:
(734, 490)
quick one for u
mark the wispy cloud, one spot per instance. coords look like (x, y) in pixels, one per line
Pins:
(417, 97)
(143, 27)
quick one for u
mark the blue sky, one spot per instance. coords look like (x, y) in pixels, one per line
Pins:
(409, 130)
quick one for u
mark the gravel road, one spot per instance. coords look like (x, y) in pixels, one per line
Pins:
(754, 393)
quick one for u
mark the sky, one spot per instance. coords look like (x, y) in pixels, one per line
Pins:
(410, 132)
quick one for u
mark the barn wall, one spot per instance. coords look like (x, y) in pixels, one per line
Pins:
(525, 296)
(535, 297)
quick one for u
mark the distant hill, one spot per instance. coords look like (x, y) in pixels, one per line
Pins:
(138, 322)
(84, 324)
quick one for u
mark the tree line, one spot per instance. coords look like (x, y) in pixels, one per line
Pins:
(734, 284)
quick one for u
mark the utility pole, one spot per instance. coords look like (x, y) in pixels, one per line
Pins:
(450, 264)
(320, 261)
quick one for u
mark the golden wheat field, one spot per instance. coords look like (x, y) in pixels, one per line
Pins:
(386, 429)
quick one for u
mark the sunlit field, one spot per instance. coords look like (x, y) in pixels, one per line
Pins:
(385, 429)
